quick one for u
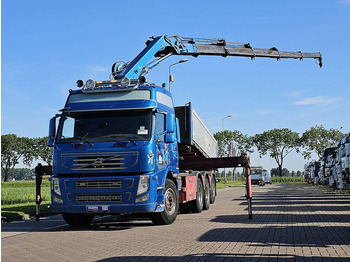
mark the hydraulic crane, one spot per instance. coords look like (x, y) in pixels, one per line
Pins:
(162, 47)
(121, 147)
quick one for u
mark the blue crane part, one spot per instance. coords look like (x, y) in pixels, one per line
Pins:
(162, 47)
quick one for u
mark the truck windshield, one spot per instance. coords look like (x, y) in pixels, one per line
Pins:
(105, 126)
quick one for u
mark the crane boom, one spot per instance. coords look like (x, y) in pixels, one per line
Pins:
(162, 47)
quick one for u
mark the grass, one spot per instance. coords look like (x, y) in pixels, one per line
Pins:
(277, 180)
(18, 198)
(22, 192)
(220, 184)
(13, 212)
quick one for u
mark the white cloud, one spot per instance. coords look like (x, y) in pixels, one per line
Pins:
(316, 100)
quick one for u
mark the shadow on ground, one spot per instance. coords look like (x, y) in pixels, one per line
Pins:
(223, 257)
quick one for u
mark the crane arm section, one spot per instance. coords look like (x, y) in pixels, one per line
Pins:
(161, 47)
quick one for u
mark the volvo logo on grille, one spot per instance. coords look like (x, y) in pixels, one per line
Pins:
(98, 162)
(102, 162)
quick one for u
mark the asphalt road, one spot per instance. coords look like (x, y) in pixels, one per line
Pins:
(290, 223)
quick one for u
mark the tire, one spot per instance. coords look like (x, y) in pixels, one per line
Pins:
(212, 190)
(206, 195)
(197, 204)
(78, 220)
(171, 209)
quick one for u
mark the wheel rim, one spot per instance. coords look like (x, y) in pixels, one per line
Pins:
(170, 201)
(207, 192)
(200, 193)
(212, 187)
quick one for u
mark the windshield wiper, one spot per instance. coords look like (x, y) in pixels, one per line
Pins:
(84, 140)
(121, 135)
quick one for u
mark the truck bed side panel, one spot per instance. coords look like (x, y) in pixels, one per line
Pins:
(194, 133)
(202, 137)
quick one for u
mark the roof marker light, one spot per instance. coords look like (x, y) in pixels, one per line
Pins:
(90, 84)
(142, 80)
(125, 82)
(80, 83)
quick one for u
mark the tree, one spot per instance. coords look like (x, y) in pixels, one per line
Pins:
(278, 143)
(12, 149)
(225, 138)
(317, 139)
(21, 174)
(43, 150)
(276, 172)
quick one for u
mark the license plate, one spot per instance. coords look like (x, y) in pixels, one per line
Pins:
(98, 209)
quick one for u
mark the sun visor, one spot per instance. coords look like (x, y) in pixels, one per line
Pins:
(111, 105)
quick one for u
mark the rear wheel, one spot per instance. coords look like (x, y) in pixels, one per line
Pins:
(78, 220)
(197, 204)
(212, 190)
(171, 209)
(206, 197)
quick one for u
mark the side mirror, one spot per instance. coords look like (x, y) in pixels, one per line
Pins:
(52, 131)
(170, 123)
(170, 138)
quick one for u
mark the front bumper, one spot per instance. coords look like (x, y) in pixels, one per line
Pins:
(85, 195)
(112, 209)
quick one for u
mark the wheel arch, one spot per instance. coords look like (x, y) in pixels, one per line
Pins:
(171, 175)
(207, 175)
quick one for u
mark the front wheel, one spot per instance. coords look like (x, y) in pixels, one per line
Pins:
(171, 209)
(78, 220)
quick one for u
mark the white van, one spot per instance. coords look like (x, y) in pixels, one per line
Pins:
(257, 176)
(267, 177)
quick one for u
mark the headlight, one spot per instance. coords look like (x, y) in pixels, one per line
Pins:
(143, 185)
(57, 199)
(142, 198)
(55, 186)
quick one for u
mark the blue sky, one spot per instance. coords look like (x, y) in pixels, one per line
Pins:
(48, 45)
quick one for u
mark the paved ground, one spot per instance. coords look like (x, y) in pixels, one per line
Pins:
(290, 223)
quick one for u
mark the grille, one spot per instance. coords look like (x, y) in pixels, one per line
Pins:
(98, 198)
(100, 162)
(87, 184)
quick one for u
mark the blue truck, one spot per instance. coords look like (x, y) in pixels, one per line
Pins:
(121, 147)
